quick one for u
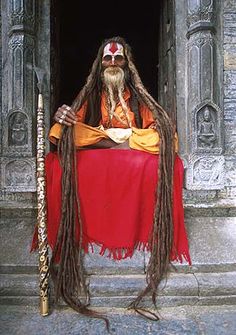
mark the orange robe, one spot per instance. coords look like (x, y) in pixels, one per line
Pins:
(145, 139)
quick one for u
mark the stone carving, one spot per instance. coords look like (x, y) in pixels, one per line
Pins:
(229, 193)
(7, 196)
(16, 42)
(202, 40)
(18, 97)
(190, 196)
(230, 169)
(21, 42)
(200, 70)
(207, 132)
(22, 13)
(18, 174)
(199, 11)
(230, 137)
(206, 173)
(18, 129)
(206, 128)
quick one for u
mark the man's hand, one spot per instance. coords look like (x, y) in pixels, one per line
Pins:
(65, 115)
(153, 125)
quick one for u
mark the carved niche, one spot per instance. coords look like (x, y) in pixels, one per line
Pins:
(206, 173)
(19, 175)
(18, 129)
(207, 129)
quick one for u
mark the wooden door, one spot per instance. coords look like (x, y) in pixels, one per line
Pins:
(166, 59)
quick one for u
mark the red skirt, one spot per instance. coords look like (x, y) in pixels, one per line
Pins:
(117, 201)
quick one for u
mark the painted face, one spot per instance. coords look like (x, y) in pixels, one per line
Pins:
(113, 54)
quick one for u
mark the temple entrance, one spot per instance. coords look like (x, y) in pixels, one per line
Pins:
(185, 52)
(77, 35)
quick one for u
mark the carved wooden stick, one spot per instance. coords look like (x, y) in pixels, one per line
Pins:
(42, 204)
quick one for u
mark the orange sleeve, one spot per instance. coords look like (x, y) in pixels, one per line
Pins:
(82, 112)
(148, 140)
(146, 116)
(55, 133)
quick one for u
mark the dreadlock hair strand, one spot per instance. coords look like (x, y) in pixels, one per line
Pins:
(161, 238)
(70, 276)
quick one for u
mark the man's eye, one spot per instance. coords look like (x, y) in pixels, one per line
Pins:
(119, 58)
(107, 58)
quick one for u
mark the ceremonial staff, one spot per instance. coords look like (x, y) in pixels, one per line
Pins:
(42, 205)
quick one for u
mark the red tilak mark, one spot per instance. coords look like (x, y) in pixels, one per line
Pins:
(113, 48)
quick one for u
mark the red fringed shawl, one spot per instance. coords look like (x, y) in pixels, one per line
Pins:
(117, 199)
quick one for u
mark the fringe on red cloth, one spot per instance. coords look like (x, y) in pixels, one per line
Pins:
(117, 198)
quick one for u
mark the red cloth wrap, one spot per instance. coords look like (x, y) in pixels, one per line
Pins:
(117, 199)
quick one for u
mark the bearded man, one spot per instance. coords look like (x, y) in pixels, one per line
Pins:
(114, 111)
(114, 107)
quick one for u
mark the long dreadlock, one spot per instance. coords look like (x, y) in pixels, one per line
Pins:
(70, 277)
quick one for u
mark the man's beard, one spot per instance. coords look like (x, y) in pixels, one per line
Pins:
(114, 82)
(113, 77)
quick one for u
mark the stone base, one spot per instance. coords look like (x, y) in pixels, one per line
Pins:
(210, 280)
(186, 320)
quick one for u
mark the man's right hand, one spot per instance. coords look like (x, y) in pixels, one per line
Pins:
(65, 115)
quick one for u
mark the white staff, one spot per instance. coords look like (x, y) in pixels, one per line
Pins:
(41, 197)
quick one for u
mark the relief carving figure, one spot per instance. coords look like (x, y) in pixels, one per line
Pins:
(18, 132)
(208, 171)
(18, 174)
(206, 129)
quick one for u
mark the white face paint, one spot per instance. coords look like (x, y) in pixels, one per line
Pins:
(113, 53)
(113, 49)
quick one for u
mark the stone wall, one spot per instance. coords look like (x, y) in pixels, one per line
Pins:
(200, 45)
(25, 45)
(229, 83)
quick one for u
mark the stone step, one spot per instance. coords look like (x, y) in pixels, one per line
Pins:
(184, 320)
(120, 290)
(211, 240)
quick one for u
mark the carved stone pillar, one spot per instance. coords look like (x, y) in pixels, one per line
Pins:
(18, 99)
(200, 99)
(206, 162)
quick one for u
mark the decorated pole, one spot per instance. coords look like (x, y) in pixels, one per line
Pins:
(42, 204)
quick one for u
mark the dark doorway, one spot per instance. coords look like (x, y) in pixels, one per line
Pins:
(80, 32)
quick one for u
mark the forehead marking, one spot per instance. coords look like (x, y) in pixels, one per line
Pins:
(113, 47)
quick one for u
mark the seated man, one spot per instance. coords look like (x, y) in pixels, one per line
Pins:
(114, 110)
(114, 115)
